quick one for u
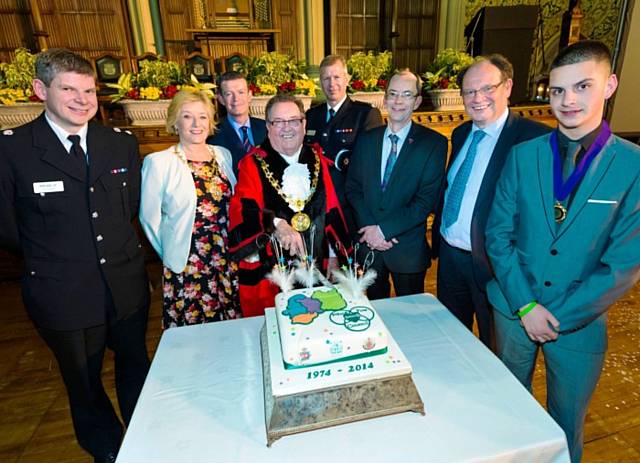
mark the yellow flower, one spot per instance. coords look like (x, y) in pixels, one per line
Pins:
(268, 89)
(150, 93)
(306, 87)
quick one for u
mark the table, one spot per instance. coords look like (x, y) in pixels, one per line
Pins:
(203, 401)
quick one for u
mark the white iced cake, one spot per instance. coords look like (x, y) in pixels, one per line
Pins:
(322, 325)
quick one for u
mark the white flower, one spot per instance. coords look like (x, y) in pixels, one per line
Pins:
(296, 182)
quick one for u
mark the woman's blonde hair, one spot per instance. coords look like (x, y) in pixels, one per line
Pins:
(188, 96)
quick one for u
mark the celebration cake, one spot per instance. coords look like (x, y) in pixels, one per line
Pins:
(323, 325)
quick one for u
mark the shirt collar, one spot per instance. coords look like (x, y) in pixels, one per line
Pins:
(294, 158)
(402, 133)
(237, 126)
(585, 142)
(337, 107)
(495, 128)
(63, 135)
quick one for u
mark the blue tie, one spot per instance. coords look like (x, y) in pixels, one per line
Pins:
(330, 114)
(391, 160)
(456, 193)
(246, 143)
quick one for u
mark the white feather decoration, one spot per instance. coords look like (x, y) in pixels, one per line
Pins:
(352, 284)
(305, 273)
(282, 277)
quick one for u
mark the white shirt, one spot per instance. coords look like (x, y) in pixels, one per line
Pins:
(386, 145)
(63, 135)
(458, 234)
(337, 107)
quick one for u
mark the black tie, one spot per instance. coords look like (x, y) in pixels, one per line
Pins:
(77, 150)
(332, 112)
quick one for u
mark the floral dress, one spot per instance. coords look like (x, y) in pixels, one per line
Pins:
(207, 289)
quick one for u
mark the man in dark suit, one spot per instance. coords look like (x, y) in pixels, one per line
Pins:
(480, 147)
(69, 190)
(393, 185)
(238, 132)
(337, 124)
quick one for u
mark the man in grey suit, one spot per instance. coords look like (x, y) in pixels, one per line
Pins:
(563, 237)
(474, 168)
(393, 185)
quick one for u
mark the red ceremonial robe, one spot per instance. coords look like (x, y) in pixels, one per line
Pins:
(256, 203)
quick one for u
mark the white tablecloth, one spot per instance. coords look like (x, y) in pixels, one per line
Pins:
(203, 401)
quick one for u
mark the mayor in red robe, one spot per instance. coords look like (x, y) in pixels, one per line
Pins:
(278, 180)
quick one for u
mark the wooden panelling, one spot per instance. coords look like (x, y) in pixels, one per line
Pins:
(355, 26)
(89, 27)
(287, 20)
(417, 30)
(176, 19)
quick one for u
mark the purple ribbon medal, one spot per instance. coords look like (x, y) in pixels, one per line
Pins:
(561, 190)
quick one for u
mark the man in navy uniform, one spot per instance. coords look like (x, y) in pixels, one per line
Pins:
(238, 132)
(337, 124)
(69, 190)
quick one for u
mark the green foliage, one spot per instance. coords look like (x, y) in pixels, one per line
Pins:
(370, 66)
(275, 72)
(16, 77)
(159, 74)
(443, 71)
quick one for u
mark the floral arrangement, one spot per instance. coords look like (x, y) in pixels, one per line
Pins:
(442, 73)
(369, 71)
(157, 80)
(274, 72)
(16, 78)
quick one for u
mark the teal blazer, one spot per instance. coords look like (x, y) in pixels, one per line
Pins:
(576, 269)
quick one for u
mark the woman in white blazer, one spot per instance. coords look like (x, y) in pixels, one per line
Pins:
(184, 213)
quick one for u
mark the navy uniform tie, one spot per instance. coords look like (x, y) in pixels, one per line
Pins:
(456, 193)
(332, 112)
(77, 151)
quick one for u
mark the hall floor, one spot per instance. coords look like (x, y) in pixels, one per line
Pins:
(35, 426)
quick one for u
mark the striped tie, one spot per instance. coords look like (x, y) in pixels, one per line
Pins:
(391, 160)
(456, 193)
(246, 143)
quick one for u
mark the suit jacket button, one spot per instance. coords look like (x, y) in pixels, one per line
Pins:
(554, 252)
(95, 214)
(103, 261)
(99, 238)
(33, 272)
(91, 189)
(547, 283)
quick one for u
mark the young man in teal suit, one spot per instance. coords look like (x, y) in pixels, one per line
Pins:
(563, 237)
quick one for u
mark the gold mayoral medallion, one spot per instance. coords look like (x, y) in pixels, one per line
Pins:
(300, 221)
(559, 212)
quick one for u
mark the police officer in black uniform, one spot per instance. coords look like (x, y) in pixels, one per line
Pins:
(337, 124)
(69, 190)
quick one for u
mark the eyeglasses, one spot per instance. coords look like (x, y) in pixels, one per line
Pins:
(483, 91)
(406, 96)
(293, 123)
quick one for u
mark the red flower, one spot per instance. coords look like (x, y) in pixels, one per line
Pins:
(134, 94)
(382, 83)
(170, 91)
(444, 83)
(34, 98)
(357, 85)
(253, 88)
(287, 87)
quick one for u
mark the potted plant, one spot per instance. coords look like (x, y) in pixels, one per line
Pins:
(272, 73)
(18, 103)
(369, 76)
(441, 79)
(145, 96)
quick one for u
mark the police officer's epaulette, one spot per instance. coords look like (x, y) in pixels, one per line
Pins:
(119, 130)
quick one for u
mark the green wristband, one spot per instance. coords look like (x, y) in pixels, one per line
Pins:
(527, 309)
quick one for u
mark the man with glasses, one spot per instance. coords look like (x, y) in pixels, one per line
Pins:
(238, 132)
(479, 149)
(563, 238)
(393, 185)
(284, 191)
(337, 124)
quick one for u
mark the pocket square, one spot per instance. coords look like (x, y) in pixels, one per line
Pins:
(602, 201)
